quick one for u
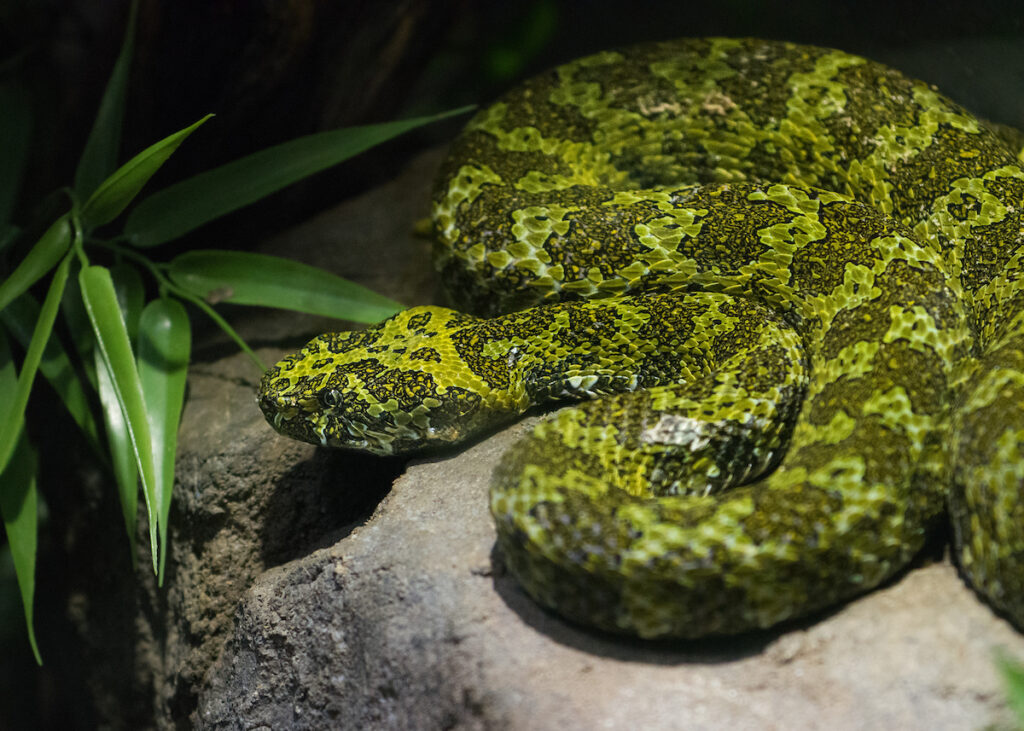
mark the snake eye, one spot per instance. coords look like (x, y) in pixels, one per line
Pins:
(329, 398)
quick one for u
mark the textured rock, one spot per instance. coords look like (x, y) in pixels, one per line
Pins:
(245, 499)
(409, 622)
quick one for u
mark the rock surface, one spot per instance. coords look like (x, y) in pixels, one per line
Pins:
(304, 593)
(410, 622)
(245, 499)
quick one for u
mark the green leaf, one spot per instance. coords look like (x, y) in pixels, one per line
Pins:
(18, 497)
(99, 157)
(10, 427)
(15, 134)
(8, 380)
(116, 350)
(41, 258)
(19, 505)
(270, 281)
(116, 192)
(79, 328)
(122, 455)
(131, 295)
(165, 343)
(20, 318)
(174, 211)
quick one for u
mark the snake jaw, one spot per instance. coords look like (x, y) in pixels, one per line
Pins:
(381, 431)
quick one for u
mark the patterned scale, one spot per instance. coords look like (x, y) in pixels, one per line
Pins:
(785, 282)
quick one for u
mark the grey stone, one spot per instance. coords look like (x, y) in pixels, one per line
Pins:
(409, 622)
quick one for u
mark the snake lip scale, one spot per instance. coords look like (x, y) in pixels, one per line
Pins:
(782, 284)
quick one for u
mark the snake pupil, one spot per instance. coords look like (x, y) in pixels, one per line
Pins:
(329, 398)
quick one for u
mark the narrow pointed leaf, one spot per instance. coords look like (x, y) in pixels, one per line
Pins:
(79, 328)
(112, 338)
(20, 318)
(122, 455)
(10, 427)
(15, 134)
(257, 279)
(18, 497)
(115, 193)
(19, 505)
(174, 211)
(40, 259)
(99, 157)
(131, 295)
(165, 343)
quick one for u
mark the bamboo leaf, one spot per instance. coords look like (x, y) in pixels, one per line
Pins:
(19, 505)
(115, 193)
(257, 279)
(185, 206)
(18, 496)
(116, 350)
(79, 328)
(41, 258)
(119, 444)
(99, 156)
(10, 427)
(20, 318)
(165, 342)
(131, 295)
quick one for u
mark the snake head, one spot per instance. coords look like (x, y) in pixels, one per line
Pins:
(400, 386)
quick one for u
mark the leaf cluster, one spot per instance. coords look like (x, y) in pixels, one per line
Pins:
(120, 370)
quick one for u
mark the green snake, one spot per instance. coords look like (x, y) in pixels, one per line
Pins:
(784, 284)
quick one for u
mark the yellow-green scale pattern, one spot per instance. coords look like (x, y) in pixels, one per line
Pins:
(695, 235)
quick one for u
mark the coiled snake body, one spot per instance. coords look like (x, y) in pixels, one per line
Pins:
(787, 279)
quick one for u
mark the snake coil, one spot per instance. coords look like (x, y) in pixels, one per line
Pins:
(786, 282)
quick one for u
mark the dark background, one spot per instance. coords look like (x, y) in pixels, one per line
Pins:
(277, 69)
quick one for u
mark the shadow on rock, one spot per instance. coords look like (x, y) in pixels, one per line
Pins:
(318, 501)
